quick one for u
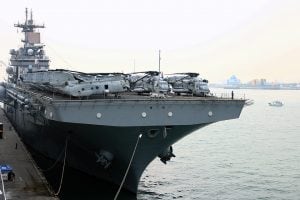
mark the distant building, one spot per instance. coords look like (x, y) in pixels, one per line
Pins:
(258, 82)
(233, 80)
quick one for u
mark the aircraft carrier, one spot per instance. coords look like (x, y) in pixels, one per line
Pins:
(108, 125)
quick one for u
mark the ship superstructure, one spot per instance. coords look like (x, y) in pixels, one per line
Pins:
(107, 119)
(30, 57)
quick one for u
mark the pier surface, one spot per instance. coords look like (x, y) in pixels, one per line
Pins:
(29, 183)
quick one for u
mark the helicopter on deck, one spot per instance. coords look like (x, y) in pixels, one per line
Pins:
(188, 83)
(148, 82)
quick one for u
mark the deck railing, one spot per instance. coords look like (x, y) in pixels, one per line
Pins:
(212, 96)
(226, 95)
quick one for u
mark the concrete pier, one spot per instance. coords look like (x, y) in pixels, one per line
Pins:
(29, 182)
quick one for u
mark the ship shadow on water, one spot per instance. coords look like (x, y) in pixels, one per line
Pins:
(77, 185)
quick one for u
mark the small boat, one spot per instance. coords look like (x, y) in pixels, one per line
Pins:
(249, 102)
(276, 103)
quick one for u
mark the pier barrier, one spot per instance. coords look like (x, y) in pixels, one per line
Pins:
(1, 131)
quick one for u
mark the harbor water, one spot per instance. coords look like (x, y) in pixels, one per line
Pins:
(254, 157)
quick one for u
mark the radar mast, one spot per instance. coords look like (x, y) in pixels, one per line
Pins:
(31, 57)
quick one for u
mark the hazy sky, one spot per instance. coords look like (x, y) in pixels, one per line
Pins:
(217, 38)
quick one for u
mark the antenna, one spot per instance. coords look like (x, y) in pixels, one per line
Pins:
(26, 15)
(159, 58)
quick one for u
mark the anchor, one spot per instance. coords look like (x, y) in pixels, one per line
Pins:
(104, 158)
(166, 155)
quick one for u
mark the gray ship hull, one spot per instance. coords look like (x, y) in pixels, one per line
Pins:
(47, 131)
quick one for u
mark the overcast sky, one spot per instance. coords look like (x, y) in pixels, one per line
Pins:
(217, 38)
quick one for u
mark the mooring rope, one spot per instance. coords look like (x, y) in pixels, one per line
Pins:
(55, 163)
(133, 153)
(3, 189)
(63, 169)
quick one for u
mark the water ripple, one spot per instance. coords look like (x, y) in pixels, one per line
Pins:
(255, 157)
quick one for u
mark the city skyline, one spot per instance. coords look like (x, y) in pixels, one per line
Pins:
(251, 39)
(235, 80)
